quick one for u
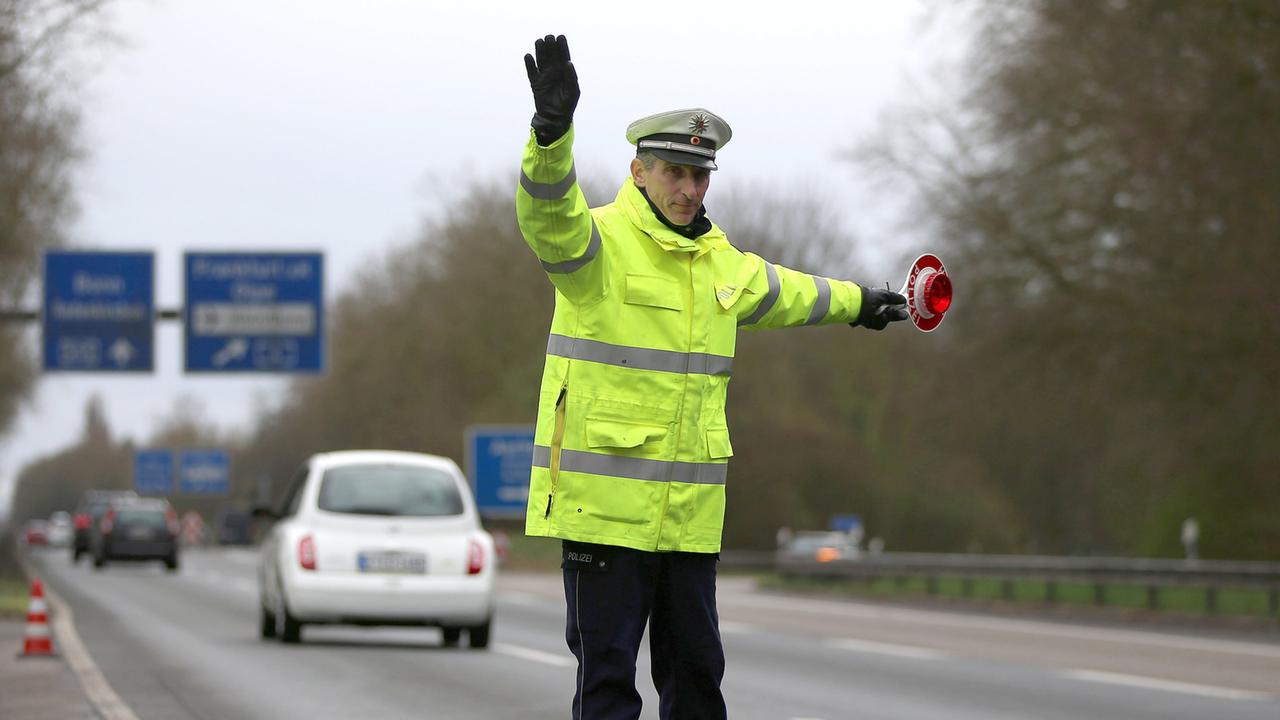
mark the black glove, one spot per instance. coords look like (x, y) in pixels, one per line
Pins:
(879, 308)
(555, 88)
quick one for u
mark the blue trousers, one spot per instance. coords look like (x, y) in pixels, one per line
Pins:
(611, 594)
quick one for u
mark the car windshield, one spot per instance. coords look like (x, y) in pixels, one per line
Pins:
(400, 490)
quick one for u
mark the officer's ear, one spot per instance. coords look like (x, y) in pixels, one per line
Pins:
(637, 171)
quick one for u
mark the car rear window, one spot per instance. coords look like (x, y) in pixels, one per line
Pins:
(97, 503)
(142, 518)
(399, 490)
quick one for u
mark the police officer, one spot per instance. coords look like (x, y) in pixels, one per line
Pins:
(632, 447)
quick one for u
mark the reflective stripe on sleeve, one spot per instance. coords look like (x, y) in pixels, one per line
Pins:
(823, 303)
(549, 191)
(769, 299)
(638, 358)
(633, 468)
(569, 266)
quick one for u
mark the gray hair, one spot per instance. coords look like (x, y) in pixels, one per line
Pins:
(647, 158)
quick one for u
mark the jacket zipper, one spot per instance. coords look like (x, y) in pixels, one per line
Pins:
(557, 439)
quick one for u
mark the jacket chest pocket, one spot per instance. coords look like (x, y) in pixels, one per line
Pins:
(653, 291)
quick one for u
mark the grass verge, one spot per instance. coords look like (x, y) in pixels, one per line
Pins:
(15, 591)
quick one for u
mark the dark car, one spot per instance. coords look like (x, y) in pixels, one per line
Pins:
(234, 527)
(92, 504)
(137, 529)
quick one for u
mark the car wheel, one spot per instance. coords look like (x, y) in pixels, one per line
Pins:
(478, 635)
(287, 626)
(451, 636)
(266, 622)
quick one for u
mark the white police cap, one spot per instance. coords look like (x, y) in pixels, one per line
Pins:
(683, 137)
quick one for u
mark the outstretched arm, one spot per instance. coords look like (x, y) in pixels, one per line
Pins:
(781, 297)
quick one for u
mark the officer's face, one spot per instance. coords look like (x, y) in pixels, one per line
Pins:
(677, 190)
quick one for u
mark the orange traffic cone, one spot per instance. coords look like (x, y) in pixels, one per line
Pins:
(37, 642)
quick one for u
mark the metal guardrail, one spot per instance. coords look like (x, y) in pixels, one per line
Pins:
(1154, 574)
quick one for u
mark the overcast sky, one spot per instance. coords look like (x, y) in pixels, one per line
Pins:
(336, 126)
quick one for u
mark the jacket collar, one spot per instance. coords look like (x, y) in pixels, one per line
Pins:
(642, 216)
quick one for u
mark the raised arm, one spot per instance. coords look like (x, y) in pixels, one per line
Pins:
(550, 207)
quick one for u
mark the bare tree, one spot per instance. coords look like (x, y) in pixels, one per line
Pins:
(38, 125)
(1107, 193)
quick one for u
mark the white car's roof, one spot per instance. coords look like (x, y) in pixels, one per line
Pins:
(394, 457)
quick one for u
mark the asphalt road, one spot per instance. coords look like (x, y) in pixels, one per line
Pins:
(185, 645)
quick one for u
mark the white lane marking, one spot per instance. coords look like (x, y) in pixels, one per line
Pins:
(736, 628)
(240, 557)
(100, 693)
(230, 582)
(879, 648)
(1150, 683)
(1029, 627)
(525, 653)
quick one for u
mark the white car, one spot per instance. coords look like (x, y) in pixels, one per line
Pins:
(59, 530)
(370, 537)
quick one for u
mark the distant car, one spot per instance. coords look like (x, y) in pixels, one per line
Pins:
(820, 546)
(35, 532)
(377, 538)
(60, 530)
(137, 529)
(92, 504)
(234, 527)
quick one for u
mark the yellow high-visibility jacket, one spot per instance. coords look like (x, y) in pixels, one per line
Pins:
(631, 446)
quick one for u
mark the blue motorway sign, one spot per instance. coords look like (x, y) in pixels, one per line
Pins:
(254, 312)
(846, 523)
(205, 472)
(499, 459)
(98, 311)
(153, 472)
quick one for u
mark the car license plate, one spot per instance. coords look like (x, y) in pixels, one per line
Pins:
(400, 563)
(139, 533)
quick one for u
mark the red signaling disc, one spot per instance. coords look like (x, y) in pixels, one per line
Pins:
(928, 292)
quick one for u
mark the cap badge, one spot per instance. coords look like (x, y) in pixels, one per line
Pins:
(695, 140)
(699, 123)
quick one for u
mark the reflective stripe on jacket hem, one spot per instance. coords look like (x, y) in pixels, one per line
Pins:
(633, 468)
(549, 191)
(775, 288)
(639, 358)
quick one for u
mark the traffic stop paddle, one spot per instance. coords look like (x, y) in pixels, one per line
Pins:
(928, 292)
